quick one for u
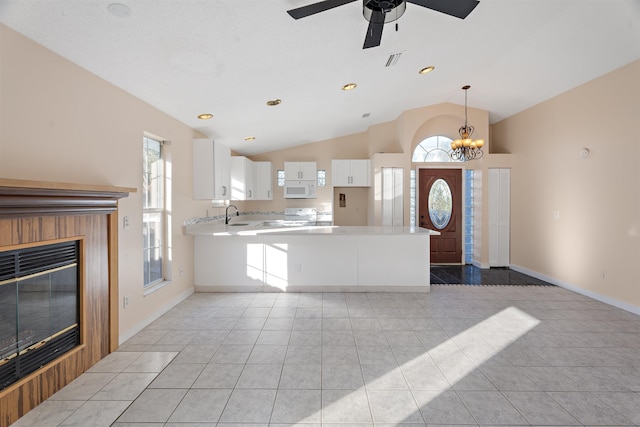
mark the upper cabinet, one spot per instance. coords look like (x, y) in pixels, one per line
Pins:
(295, 171)
(351, 173)
(211, 170)
(264, 180)
(243, 178)
(250, 180)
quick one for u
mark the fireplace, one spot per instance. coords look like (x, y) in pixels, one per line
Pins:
(83, 219)
(39, 307)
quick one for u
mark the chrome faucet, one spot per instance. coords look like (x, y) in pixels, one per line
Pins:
(226, 213)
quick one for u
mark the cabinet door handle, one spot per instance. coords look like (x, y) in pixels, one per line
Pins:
(250, 193)
(224, 190)
(269, 194)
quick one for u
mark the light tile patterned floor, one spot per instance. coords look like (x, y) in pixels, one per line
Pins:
(461, 355)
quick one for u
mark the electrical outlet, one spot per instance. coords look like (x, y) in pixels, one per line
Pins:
(298, 267)
(125, 222)
(181, 271)
(125, 302)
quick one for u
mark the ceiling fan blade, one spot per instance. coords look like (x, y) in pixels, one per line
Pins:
(374, 32)
(458, 8)
(314, 8)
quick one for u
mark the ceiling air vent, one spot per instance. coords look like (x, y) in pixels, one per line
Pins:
(365, 115)
(393, 59)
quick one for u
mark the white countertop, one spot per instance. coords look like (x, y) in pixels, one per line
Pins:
(255, 228)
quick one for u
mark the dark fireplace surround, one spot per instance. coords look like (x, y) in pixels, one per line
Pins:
(37, 360)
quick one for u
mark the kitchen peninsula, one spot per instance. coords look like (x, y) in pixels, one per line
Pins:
(264, 256)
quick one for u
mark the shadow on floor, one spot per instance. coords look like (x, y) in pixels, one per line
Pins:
(471, 275)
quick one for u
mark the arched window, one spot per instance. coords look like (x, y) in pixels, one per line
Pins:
(433, 149)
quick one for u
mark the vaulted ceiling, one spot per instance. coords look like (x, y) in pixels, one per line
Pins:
(229, 57)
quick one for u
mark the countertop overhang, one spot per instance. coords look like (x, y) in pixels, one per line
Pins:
(255, 228)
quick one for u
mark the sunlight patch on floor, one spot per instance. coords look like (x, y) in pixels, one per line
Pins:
(511, 323)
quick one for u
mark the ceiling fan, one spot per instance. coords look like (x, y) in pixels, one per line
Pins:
(379, 12)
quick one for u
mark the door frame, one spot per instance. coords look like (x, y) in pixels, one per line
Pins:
(462, 169)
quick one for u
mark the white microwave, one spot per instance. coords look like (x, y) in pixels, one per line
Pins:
(299, 189)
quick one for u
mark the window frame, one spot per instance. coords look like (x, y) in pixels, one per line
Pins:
(157, 209)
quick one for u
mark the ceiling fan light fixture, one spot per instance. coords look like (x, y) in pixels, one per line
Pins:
(350, 86)
(427, 70)
(205, 116)
(386, 7)
(274, 102)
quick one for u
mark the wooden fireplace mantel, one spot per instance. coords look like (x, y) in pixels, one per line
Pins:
(20, 198)
(39, 212)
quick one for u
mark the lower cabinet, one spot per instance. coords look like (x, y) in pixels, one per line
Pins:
(314, 263)
(292, 261)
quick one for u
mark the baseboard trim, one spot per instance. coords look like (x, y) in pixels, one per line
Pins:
(596, 296)
(156, 315)
(317, 288)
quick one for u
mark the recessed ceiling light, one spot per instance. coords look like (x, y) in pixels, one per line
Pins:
(120, 10)
(426, 70)
(349, 86)
(274, 102)
(250, 138)
(205, 116)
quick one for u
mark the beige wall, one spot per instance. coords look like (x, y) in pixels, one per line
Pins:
(354, 211)
(593, 242)
(61, 123)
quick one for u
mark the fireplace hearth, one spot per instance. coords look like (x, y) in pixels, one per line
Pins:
(39, 307)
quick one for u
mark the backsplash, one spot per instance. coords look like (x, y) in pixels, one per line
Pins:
(322, 216)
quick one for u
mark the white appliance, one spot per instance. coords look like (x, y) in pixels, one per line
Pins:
(300, 216)
(300, 189)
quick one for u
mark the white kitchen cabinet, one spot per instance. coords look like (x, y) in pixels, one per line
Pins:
(499, 217)
(296, 171)
(351, 173)
(264, 180)
(243, 178)
(291, 262)
(316, 260)
(229, 264)
(211, 170)
(392, 196)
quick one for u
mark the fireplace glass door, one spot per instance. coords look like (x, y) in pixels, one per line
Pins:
(39, 307)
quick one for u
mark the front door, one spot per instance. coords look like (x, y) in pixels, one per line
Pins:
(440, 209)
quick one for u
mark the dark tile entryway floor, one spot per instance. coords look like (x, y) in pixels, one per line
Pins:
(470, 275)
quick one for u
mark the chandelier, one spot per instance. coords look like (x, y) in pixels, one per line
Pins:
(465, 148)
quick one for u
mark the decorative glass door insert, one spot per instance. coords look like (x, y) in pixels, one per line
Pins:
(440, 204)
